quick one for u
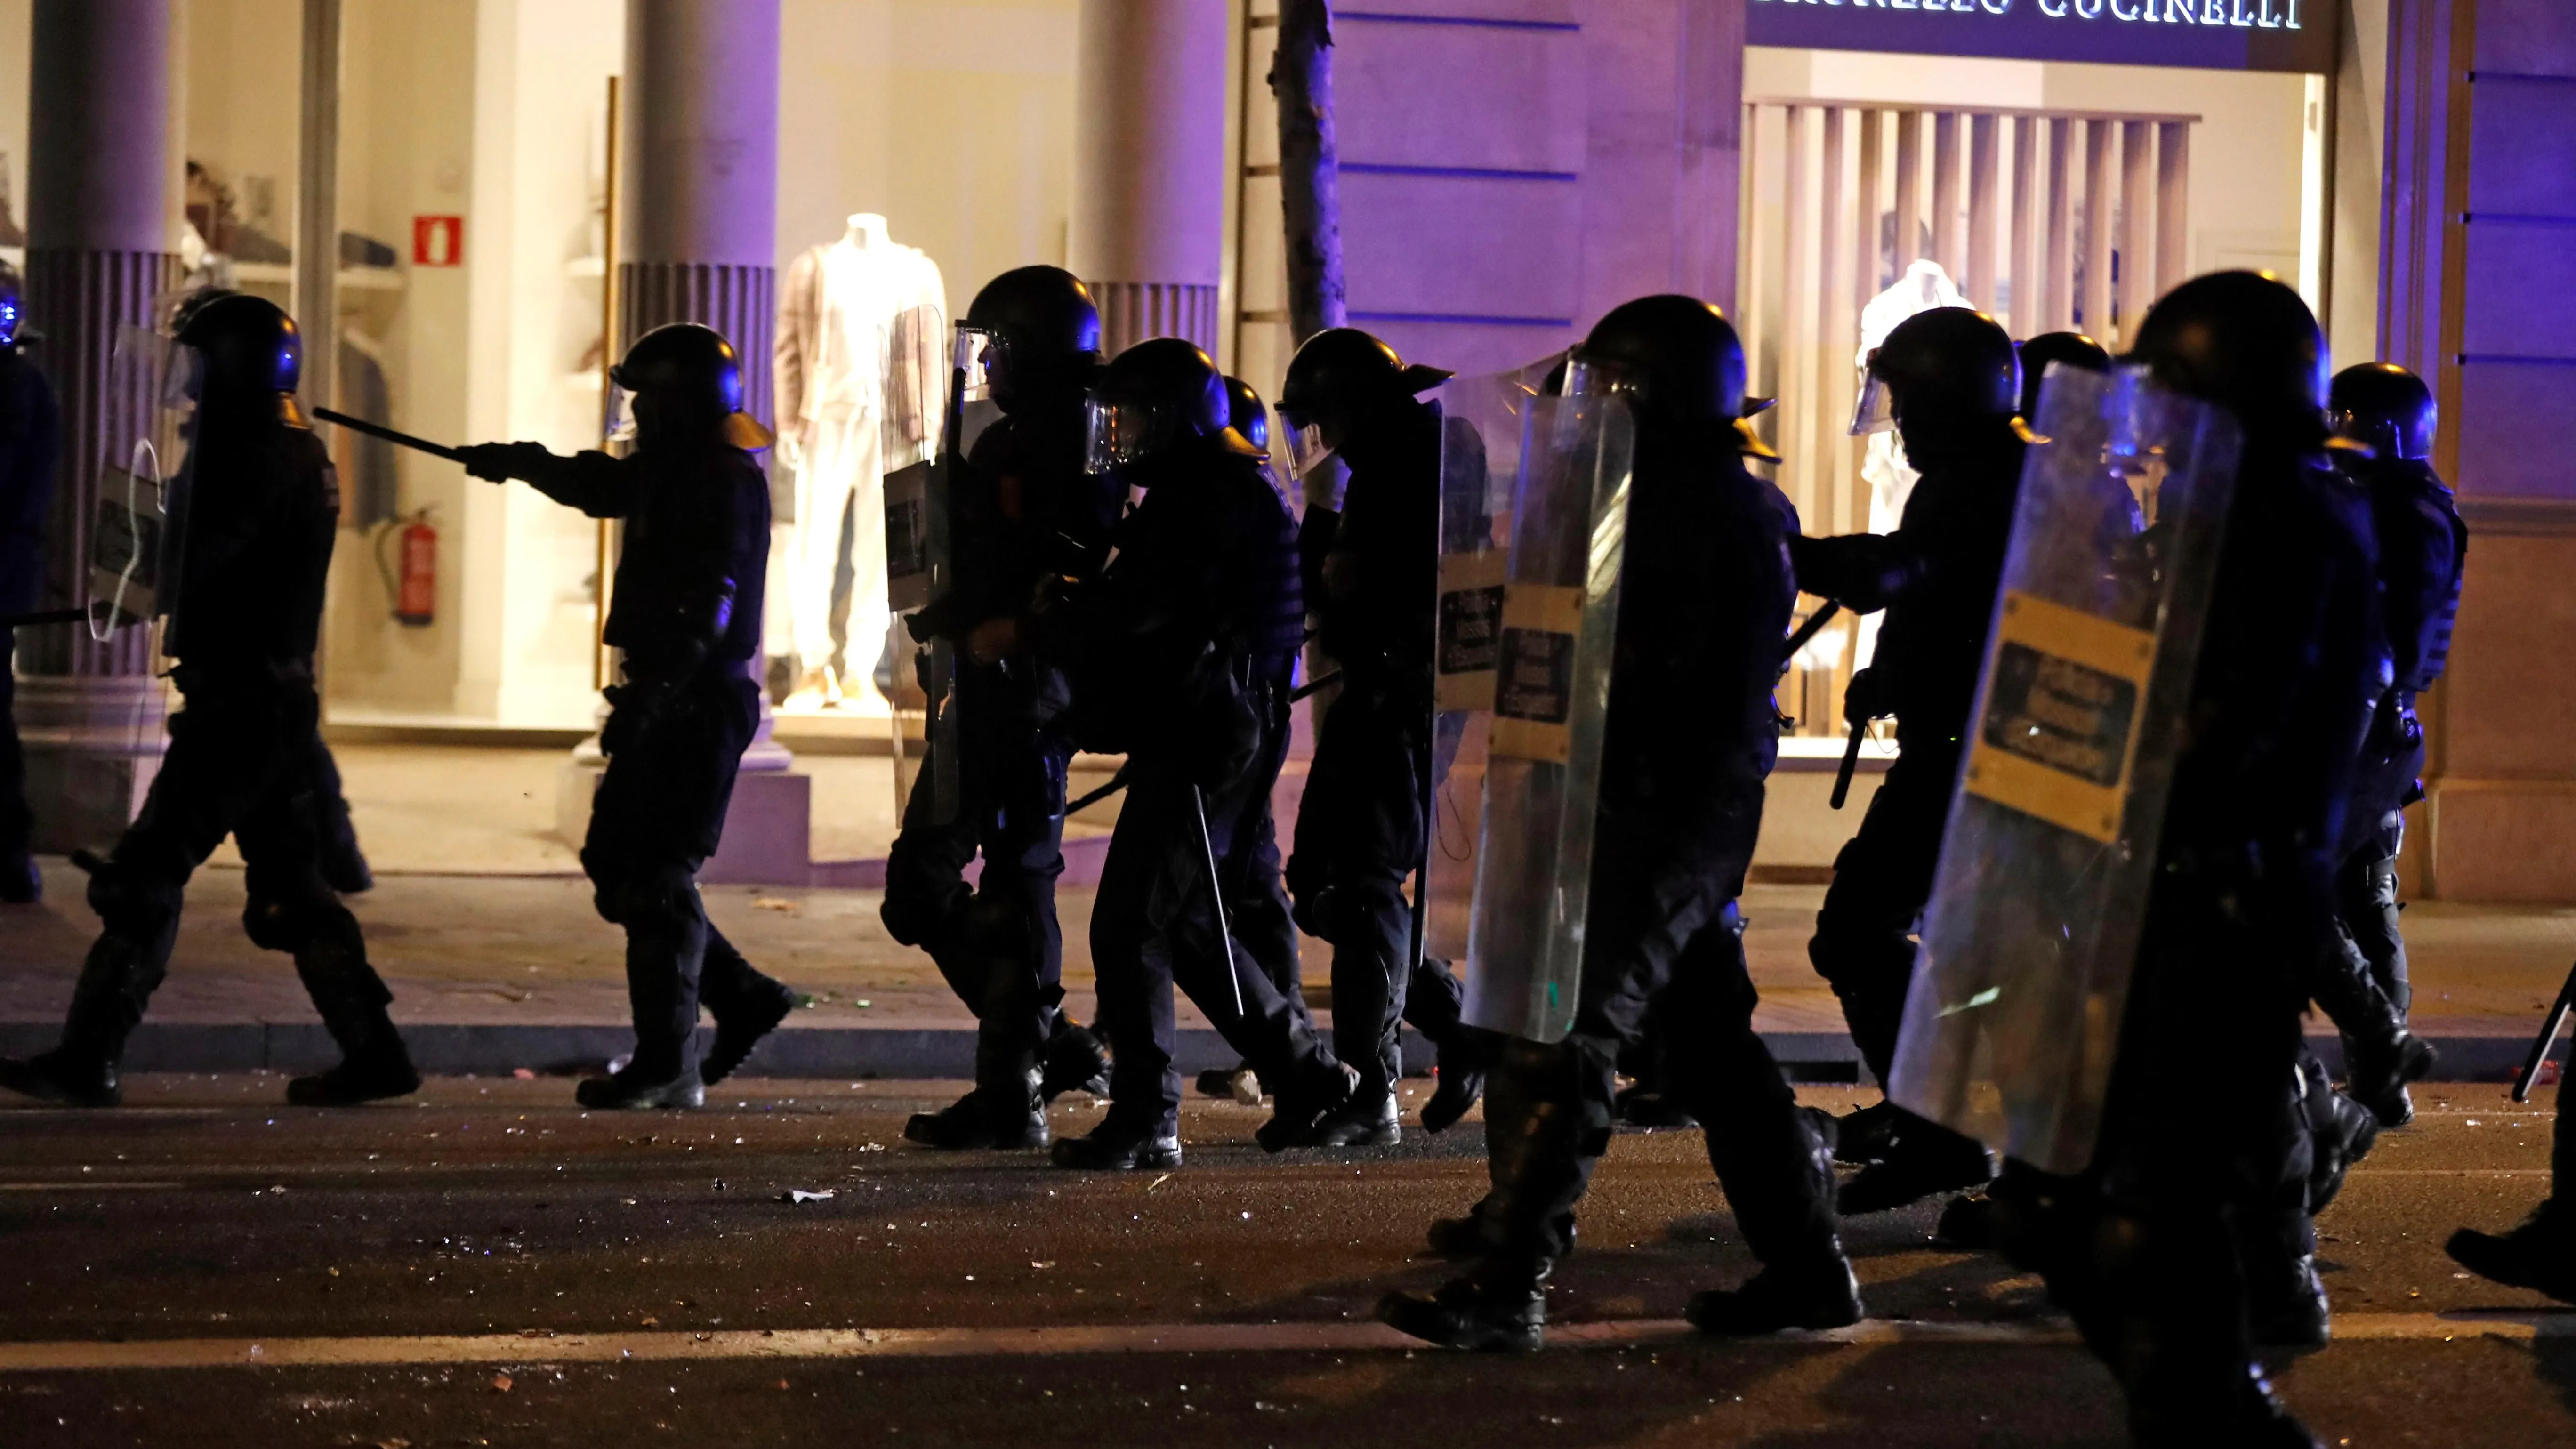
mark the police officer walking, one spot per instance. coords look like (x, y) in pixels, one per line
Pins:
(1361, 823)
(1949, 382)
(30, 437)
(686, 620)
(1705, 595)
(1187, 645)
(2152, 1250)
(1024, 510)
(256, 510)
(2423, 549)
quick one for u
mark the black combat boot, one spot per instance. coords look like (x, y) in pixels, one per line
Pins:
(1453, 1095)
(1778, 1176)
(2376, 1074)
(116, 981)
(1075, 1059)
(2286, 1305)
(640, 1087)
(2539, 1255)
(1361, 1123)
(1923, 1159)
(352, 999)
(63, 1077)
(1004, 1113)
(1319, 1088)
(747, 1007)
(1861, 1136)
(2337, 1143)
(1120, 1145)
(1499, 1307)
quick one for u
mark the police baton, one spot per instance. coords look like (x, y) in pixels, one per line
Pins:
(2548, 1037)
(1807, 632)
(1851, 762)
(1216, 895)
(377, 430)
(77, 615)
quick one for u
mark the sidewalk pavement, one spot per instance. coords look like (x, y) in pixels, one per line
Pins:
(496, 973)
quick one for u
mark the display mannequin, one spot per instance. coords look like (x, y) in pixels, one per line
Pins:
(833, 315)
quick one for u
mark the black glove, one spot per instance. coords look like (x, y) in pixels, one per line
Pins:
(501, 462)
(1865, 698)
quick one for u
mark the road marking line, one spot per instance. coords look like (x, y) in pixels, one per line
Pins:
(838, 1343)
(77, 1184)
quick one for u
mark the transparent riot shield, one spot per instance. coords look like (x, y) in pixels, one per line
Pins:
(935, 406)
(1552, 655)
(1480, 451)
(2036, 910)
(137, 529)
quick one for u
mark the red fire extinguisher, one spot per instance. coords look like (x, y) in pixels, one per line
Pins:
(414, 586)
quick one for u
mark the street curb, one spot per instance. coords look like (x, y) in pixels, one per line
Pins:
(448, 1049)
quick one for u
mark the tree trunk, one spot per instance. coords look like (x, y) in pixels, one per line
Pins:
(1310, 166)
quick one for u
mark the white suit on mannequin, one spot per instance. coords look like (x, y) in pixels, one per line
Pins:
(833, 316)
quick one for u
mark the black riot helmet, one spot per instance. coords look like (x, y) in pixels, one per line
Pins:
(1944, 373)
(2385, 408)
(1340, 379)
(1035, 332)
(1677, 360)
(2246, 341)
(682, 380)
(1246, 413)
(13, 309)
(2072, 348)
(248, 354)
(1160, 400)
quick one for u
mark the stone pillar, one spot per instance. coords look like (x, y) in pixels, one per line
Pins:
(2475, 244)
(1148, 224)
(99, 213)
(698, 231)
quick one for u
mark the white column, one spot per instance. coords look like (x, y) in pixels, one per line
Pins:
(1148, 224)
(100, 210)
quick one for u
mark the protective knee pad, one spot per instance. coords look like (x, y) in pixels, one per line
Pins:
(647, 899)
(291, 922)
(133, 902)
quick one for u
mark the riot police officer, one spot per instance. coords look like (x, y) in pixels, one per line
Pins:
(1949, 381)
(2423, 548)
(30, 424)
(2152, 1250)
(1186, 646)
(2074, 349)
(1361, 825)
(1024, 510)
(1705, 598)
(686, 620)
(255, 511)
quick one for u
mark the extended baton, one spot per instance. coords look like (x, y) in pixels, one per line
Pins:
(1311, 685)
(1851, 762)
(1117, 782)
(2548, 1038)
(78, 615)
(377, 430)
(1807, 632)
(1216, 896)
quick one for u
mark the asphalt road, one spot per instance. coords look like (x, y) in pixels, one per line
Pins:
(490, 1266)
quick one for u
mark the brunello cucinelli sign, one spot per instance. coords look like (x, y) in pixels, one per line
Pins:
(2291, 35)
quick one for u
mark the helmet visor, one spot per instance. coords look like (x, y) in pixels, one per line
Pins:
(620, 425)
(979, 358)
(1877, 410)
(1122, 434)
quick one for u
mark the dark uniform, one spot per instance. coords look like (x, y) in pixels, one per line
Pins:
(685, 617)
(1025, 511)
(1706, 596)
(256, 513)
(2422, 549)
(1361, 821)
(30, 439)
(2151, 1250)
(1953, 376)
(1187, 646)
